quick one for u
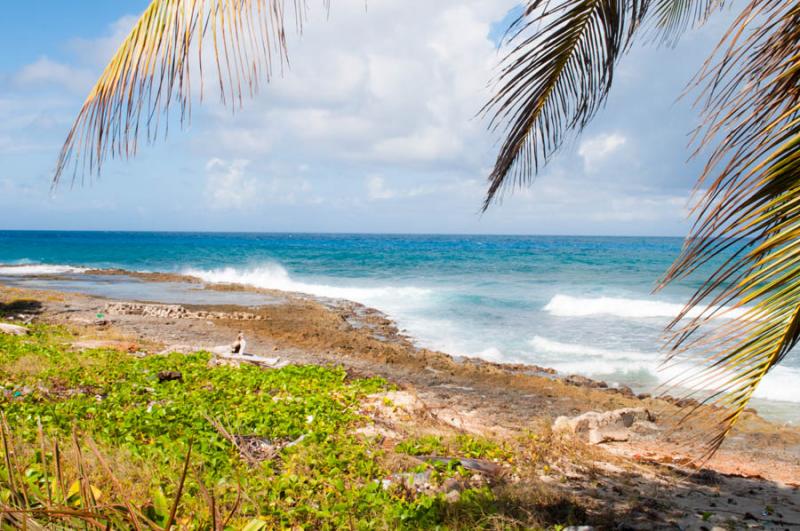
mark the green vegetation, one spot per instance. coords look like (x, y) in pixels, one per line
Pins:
(462, 446)
(103, 436)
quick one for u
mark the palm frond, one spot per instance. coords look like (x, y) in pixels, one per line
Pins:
(748, 219)
(672, 18)
(151, 72)
(554, 79)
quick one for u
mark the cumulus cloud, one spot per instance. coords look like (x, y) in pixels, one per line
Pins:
(398, 85)
(597, 149)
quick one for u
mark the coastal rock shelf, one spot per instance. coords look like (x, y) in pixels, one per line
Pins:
(175, 311)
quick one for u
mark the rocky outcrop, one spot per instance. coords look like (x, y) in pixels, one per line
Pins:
(610, 426)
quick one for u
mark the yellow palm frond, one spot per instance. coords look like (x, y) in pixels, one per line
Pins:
(152, 72)
(749, 217)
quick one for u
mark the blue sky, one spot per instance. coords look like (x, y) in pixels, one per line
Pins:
(372, 130)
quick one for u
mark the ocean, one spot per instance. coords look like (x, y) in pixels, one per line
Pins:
(581, 305)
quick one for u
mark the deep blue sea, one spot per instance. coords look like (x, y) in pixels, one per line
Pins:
(578, 304)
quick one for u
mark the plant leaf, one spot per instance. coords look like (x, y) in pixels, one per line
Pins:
(151, 72)
(555, 78)
(747, 218)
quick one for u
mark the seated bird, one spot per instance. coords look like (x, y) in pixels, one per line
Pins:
(239, 344)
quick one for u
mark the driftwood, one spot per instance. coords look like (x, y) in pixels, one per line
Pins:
(14, 330)
(255, 360)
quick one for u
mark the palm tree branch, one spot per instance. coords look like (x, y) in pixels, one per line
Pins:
(749, 217)
(555, 79)
(151, 72)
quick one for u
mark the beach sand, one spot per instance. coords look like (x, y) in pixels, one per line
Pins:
(754, 480)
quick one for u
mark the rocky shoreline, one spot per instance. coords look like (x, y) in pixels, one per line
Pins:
(467, 395)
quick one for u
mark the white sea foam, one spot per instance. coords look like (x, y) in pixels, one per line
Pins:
(570, 358)
(569, 306)
(274, 276)
(547, 346)
(39, 269)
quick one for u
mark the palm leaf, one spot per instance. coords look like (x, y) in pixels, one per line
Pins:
(151, 72)
(748, 219)
(560, 69)
(673, 17)
(555, 78)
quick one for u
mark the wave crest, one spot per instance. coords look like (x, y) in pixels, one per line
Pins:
(39, 269)
(568, 306)
(275, 276)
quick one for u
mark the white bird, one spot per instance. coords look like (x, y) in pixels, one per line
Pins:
(239, 345)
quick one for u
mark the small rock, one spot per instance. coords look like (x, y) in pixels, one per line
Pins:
(598, 428)
(583, 381)
(624, 390)
(169, 376)
(452, 496)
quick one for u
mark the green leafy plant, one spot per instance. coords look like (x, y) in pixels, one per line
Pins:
(92, 437)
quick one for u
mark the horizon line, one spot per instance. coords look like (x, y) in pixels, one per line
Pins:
(347, 233)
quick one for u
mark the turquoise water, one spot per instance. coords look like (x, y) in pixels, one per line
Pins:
(578, 304)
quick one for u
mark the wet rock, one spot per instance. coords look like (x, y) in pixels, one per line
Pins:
(610, 426)
(13, 330)
(169, 376)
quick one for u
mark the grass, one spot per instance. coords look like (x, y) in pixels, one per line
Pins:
(96, 438)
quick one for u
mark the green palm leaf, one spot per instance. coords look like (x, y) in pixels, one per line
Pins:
(151, 72)
(555, 78)
(749, 216)
(673, 17)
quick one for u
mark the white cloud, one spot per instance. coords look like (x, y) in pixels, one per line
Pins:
(376, 189)
(399, 85)
(597, 149)
(227, 186)
(379, 190)
(44, 72)
(231, 185)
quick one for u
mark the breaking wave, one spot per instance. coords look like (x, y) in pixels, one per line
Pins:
(275, 276)
(39, 269)
(611, 364)
(568, 306)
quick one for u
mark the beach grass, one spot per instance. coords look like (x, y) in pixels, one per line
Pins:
(103, 437)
